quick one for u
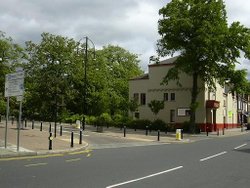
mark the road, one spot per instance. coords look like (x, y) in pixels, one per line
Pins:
(218, 162)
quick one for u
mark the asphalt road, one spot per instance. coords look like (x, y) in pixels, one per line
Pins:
(212, 163)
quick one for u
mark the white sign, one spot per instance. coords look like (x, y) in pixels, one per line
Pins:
(14, 84)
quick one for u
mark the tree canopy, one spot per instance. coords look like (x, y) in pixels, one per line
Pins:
(209, 48)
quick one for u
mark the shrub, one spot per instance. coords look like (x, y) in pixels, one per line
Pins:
(104, 120)
(139, 124)
(158, 125)
(91, 120)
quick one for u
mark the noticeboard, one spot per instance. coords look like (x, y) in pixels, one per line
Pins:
(14, 84)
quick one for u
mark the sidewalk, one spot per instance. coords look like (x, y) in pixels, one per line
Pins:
(170, 137)
(35, 142)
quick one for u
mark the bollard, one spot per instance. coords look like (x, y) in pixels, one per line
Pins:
(80, 138)
(182, 133)
(12, 120)
(207, 130)
(49, 127)
(25, 122)
(218, 131)
(124, 131)
(60, 130)
(146, 130)
(135, 128)
(55, 130)
(50, 141)
(32, 126)
(158, 135)
(223, 131)
(41, 126)
(72, 140)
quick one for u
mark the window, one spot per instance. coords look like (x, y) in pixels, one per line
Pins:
(172, 96)
(172, 115)
(136, 97)
(165, 96)
(137, 115)
(143, 98)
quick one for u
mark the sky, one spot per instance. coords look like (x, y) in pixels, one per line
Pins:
(131, 24)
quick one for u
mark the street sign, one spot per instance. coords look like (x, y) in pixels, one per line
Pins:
(14, 84)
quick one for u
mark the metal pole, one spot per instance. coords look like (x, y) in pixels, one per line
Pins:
(72, 139)
(85, 77)
(50, 141)
(124, 131)
(7, 119)
(41, 126)
(80, 139)
(158, 135)
(19, 124)
(60, 130)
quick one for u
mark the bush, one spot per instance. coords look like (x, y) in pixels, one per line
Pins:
(91, 120)
(104, 120)
(139, 124)
(158, 125)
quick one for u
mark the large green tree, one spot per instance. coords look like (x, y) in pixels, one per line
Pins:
(53, 73)
(208, 46)
(56, 80)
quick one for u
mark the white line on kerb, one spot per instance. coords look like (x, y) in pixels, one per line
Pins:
(212, 156)
(149, 176)
(240, 146)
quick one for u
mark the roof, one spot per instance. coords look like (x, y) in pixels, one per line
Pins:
(142, 77)
(169, 61)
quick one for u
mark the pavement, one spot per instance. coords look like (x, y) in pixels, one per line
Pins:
(34, 142)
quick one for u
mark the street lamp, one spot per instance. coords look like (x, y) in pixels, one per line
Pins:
(85, 109)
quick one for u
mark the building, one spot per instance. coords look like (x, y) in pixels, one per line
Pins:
(219, 109)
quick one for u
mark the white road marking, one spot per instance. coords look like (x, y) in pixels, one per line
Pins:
(35, 164)
(145, 177)
(213, 156)
(240, 146)
(73, 160)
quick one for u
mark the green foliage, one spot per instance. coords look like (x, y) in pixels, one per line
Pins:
(133, 105)
(155, 106)
(158, 124)
(208, 47)
(91, 120)
(139, 124)
(104, 119)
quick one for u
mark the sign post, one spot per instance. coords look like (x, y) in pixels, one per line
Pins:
(14, 86)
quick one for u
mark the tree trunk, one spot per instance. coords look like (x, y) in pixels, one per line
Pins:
(194, 104)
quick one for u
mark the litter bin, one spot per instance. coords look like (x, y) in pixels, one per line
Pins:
(178, 134)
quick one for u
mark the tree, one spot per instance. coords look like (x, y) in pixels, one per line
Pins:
(11, 55)
(52, 75)
(156, 106)
(208, 47)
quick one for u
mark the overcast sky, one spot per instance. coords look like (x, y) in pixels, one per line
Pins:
(131, 24)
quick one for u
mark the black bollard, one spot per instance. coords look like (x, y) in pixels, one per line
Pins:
(182, 133)
(72, 140)
(207, 130)
(124, 131)
(32, 126)
(158, 135)
(55, 130)
(41, 126)
(218, 132)
(50, 141)
(25, 122)
(146, 130)
(60, 130)
(80, 138)
(49, 127)
(223, 131)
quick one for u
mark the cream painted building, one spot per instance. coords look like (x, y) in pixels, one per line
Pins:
(216, 109)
